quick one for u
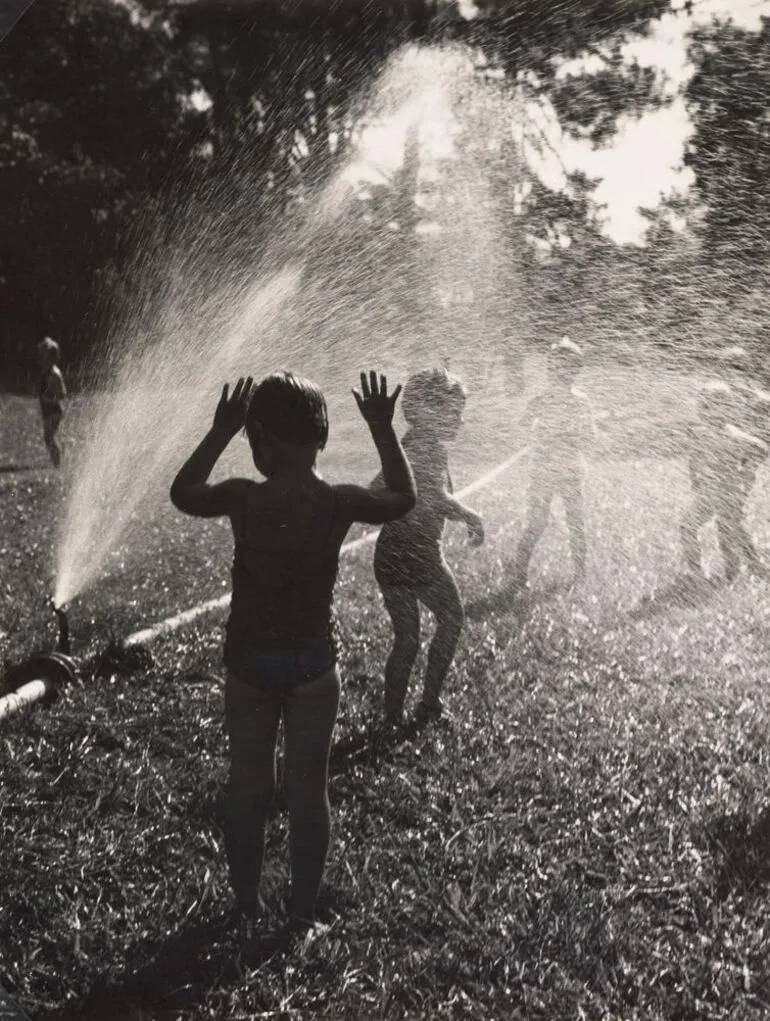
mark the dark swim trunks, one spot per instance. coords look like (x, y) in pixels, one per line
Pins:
(279, 671)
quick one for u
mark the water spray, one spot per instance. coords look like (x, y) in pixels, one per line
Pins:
(149, 634)
(40, 678)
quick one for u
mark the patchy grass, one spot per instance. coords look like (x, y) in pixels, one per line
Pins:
(591, 839)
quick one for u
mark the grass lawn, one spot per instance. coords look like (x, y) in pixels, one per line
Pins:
(590, 839)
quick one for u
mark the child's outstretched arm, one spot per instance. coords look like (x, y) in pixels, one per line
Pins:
(456, 511)
(398, 494)
(190, 491)
(59, 386)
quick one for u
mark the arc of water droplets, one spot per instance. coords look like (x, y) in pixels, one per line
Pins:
(187, 616)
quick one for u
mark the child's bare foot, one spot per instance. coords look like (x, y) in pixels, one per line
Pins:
(387, 733)
(579, 574)
(251, 923)
(431, 712)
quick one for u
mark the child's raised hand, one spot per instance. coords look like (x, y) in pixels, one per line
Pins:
(475, 529)
(374, 402)
(230, 416)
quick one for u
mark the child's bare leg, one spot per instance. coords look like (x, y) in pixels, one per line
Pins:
(572, 498)
(50, 427)
(443, 600)
(749, 551)
(688, 532)
(401, 603)
(537, 519)
(734, 540)
(252, 718)
(310, 712)
(745, 544)
(694, 519)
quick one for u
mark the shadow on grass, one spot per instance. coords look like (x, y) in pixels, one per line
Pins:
(740, 845)
(511, 598)
(687, 591)
(376, 743)
(8, 469)
(173, 981)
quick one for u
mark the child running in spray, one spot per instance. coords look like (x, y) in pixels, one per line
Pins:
(279, 647)
(562, 425)
(52, 392)
(721, 463)
(749, 412)
(409, 563)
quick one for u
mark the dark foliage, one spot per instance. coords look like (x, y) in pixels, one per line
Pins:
(101, 138)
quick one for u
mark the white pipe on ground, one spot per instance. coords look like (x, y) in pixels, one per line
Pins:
(187, 616)
(37, 679)
(29, 693)
(37, 688)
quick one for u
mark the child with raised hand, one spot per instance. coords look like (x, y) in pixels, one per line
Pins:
(51, 393)
(279, 648)
(721, 464)
(409, 563)
(562, 424)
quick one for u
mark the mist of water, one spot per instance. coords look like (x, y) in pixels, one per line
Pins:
(397, 263)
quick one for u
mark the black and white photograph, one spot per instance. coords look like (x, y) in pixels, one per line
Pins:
(384, 510)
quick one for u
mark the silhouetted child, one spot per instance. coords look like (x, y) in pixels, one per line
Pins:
(750, 412)
(52, 392)
(562, 425)
(409, 563)
(279, 648)
(721, 464)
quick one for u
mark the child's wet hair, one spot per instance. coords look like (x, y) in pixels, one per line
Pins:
(49, 346)
(714, 397)
(291, 408)
(566, 352)
(431, 391)
(734, 357)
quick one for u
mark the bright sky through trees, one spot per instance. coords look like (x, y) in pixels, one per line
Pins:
(644, 161)
(642, 164)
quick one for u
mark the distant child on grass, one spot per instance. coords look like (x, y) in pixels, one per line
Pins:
(52, 392)
(279, 648)
(562, 425)
(409, 563)
(721, 464)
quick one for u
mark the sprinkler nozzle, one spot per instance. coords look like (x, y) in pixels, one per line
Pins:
(60, 612)
(64, 629)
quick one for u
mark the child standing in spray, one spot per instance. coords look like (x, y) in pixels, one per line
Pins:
(721, 463)
(747, 407)
(51, 393)
(409, 564)
(279, 647)
(562, 424)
